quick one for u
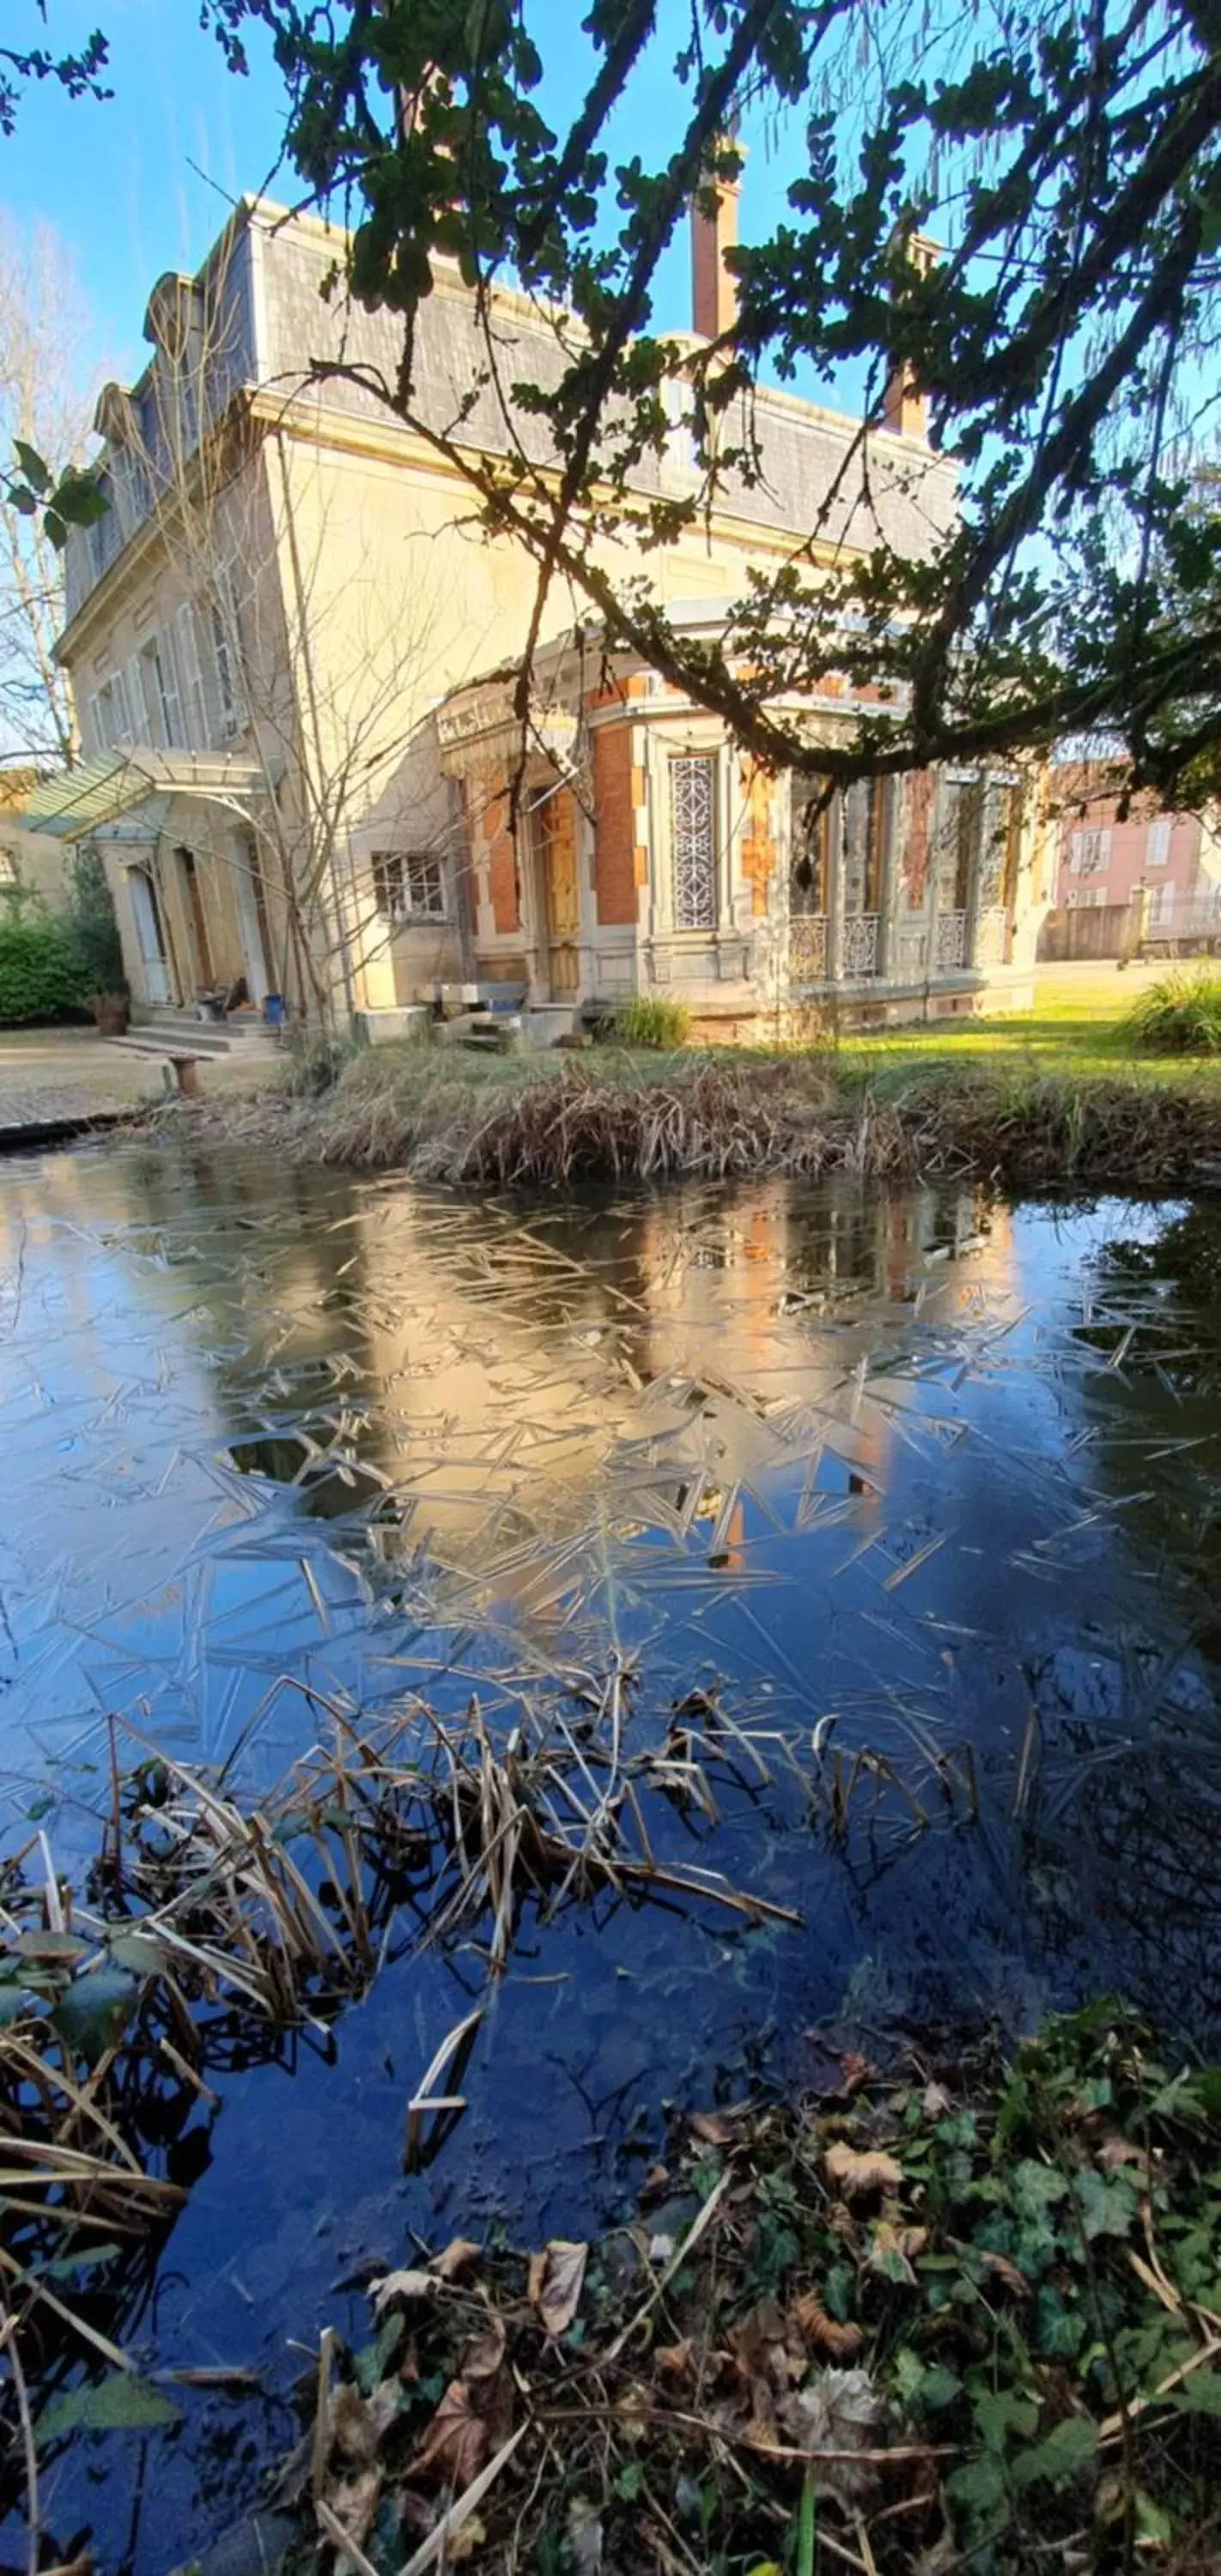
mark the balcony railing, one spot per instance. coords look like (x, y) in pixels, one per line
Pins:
(860, 945)
(808, 947)
(950, 944)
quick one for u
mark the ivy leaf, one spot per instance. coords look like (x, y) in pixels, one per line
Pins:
(1035, 2189)
(1068, 2450)
(979, 2488)
(1000, 2412)
(92, 2013)
(1201, 2394)
(1107, 2206)
(120, 2404)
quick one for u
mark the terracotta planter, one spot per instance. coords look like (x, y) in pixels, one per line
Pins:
(113, 1024)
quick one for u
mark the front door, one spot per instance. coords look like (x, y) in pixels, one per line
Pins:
(558, 895)
(147, 918)
(201, 953)
(248, 892)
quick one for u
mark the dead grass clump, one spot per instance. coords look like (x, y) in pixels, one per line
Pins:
(1039, 1130)
(712, 1121)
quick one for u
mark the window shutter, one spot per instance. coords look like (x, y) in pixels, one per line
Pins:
(151, 687)
(191, 675)
(137, 703)
(171, 694)
(122, 717)
(237, 710)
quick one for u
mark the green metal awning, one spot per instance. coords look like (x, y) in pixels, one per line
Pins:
(77, 802)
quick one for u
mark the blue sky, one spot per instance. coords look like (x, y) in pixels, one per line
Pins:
(141, 182)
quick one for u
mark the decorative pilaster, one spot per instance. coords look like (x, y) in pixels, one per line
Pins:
(888, 889)
(835, 890)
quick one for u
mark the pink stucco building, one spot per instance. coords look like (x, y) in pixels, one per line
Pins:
(1103, 860)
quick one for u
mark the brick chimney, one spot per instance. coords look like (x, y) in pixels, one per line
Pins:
(904, 407)
(714, 293)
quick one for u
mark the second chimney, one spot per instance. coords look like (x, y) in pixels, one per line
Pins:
(904, 408)
(714, 292)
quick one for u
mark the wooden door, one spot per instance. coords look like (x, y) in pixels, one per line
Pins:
(147, 919)
(200, 950)
(555, 830)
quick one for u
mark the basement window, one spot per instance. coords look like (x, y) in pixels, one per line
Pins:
(408, 888)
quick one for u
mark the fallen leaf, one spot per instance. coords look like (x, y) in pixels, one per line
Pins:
(358, 2424)
(484, 2356)
(841, 2412)
(839, 2342)
(857, 2071)
(661, 2248)
(355, 2502)
(937, 2102)
(456, 2257)
(674, 2359)
(656, 2181)
(891, 2250)
(456, 2443)
(584, 2537)
(554, 2283)
(463, 2543)
(762, 2428)
(711, 2128)
(857, 2175)
(1118, 2151)
(1006, 2271)
(397, 2289)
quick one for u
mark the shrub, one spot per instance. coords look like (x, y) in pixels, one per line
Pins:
(89, 917)
(315, 1060)
(646, 1022)
(41, 974)
(1179, 1016)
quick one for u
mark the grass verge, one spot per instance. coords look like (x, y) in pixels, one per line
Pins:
(875, 1112)
(957, 2314)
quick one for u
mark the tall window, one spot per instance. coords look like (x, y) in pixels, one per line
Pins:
(864, 822)
(1157, 846)
(959, 836)
(406, 888)
(161, 700)
(226, 676)
(811, 869)
(693, 840)
(999, 853)
(194, 706)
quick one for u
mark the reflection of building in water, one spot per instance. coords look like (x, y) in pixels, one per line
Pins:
(495, 1391)
(643, 1366)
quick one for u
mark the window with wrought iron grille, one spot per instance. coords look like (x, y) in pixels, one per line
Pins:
(693, 840)
(409, 888)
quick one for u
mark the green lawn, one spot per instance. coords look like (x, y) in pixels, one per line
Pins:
(1076, 1026)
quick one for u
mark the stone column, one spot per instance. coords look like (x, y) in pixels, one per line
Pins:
(892, 800)
(835, 889)
(970, 937)
(933, 888)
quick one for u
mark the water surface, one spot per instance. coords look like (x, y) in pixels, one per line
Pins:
(931, 1476)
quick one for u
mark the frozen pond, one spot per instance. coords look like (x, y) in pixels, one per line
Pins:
(919, 1475)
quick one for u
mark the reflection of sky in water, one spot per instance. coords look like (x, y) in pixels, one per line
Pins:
(944, 1473)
